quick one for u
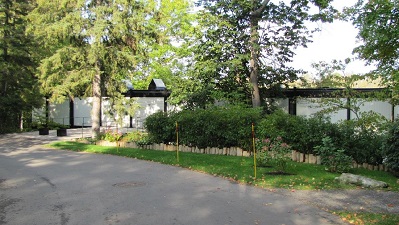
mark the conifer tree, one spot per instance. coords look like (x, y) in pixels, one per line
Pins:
(92, 45)
(18, 85)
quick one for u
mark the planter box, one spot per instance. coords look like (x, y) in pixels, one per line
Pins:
(43, 131)
(61, 132)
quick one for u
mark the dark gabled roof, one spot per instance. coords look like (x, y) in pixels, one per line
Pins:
(156, 84)
(155, 89)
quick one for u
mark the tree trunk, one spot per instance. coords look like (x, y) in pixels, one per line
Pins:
(96, 110)
(255, 17)
(254, 63)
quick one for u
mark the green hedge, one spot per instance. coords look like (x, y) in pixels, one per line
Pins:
(227, 127)
(363, 144)
(215, 127)
(303, 134)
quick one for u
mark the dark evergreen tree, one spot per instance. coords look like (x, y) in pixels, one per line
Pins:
(19, 91)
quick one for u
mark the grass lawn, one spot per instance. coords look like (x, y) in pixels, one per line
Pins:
(304, 176)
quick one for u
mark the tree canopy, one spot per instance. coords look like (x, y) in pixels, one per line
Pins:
(246, 45)
(378, 24)
(92, 45)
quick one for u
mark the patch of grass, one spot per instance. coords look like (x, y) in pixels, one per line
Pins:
(369, 218)
(304, 176)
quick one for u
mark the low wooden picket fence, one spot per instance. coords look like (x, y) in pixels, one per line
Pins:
(233, 151)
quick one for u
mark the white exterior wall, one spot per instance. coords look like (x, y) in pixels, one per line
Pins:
(147, 106)
(59, 113)
(309, 106)
(108, 120)
(383, 108)
(82, 110)
(282, 103)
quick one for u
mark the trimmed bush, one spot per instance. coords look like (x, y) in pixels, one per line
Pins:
(303, 134)
(362, 144)
(160, 127)
(215, 127)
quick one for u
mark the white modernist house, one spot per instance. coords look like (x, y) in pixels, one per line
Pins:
(76, 112)
(301, 102)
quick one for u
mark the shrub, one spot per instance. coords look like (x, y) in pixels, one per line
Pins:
(334, 159)
(390, 148)
(110, 135)
(362, 144)
(214, 127)
(138, 137)
(262, 153)
(303, 134)
(160, 127)
(280, 153)
(362, 140)
(274, 152)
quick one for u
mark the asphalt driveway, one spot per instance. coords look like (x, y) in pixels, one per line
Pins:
(44, 186)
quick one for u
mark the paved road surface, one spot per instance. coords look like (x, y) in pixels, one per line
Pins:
(43, 186)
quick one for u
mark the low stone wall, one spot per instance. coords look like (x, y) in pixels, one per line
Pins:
(233, 151)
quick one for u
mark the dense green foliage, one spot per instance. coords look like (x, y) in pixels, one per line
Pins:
(274, 152)
(19, 91)
(220, 127)
(304, 134)
(334, 159)
(378, 26)
(247, 45)
(216, 127)
(91, 47)
(391, 148)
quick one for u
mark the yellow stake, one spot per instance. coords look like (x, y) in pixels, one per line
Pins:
(254, 149)
(177, 141)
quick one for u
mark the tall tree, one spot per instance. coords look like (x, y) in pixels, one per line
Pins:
(378, 24)
(93, 45)
(249, 43)
(18, 86)
(167, 56)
